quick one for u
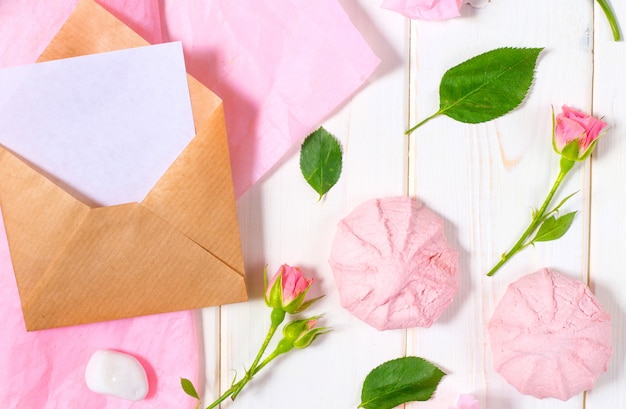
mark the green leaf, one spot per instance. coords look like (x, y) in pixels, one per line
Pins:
(399, 381)
(553, 228)
(320, 161)
(189, 388)
(489, 85)
(562, 202)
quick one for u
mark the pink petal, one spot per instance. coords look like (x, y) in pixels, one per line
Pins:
(294, 283)
(594, 127)
(290, 282)
(566, 131)
(467, 402)
(302, 284)
(588, 131)
(425, 9)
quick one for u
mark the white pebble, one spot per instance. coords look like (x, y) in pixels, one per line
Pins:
(117, 374)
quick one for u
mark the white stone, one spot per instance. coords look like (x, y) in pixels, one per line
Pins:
(117, 374)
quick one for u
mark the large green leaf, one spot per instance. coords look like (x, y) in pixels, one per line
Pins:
(320, 161)
(399, 381)
(489, 85)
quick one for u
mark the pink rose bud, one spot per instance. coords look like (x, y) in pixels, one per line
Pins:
(287, 289)
(575, 133)
(301, 333)
(430, 9)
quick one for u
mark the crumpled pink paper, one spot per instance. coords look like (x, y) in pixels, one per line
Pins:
(26, 27)
(280, 67)
(425, 9)
(46, 369)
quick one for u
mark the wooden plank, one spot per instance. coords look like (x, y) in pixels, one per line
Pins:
(485, 179)
(209, 331)
(282, 222)
(608, 199)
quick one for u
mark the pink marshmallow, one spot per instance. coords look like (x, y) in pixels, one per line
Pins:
(392, 264)
(549, 336)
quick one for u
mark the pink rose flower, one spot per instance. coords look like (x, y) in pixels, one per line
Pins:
(430, 9)
(287, 289)
(466, 402)
(572, 126)
(425, 9)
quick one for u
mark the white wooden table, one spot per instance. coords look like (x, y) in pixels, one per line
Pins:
(482, 179)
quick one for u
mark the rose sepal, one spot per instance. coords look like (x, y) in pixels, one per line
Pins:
(275, 299)
(588, 151)
(301, 307)
(306, 339)
(301, 333)
(570, 151)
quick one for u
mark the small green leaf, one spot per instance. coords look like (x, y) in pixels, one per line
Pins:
(320, 161)
(489, 85)
(562, 202)
(399, 381)
(189, 388)
(553, 228)
(534, 213)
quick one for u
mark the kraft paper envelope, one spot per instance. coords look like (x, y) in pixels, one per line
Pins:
(177, 249)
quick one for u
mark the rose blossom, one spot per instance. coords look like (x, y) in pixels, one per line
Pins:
(430, 9)
(425, 9)
(287, 289)
(574, 135)
(574, 125)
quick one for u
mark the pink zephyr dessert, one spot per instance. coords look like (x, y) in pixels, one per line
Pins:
(392, 264)
(549, 336)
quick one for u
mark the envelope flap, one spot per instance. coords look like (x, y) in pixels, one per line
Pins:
(90, 29)
(193, 197)
(125, 261)
(39, 218)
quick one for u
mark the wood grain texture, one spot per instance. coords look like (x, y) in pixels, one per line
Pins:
(608, 199)
(483, 180)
